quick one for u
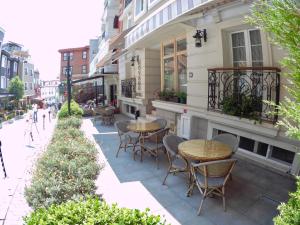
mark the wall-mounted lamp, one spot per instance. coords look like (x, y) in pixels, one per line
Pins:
(133, 59)
(198, 36)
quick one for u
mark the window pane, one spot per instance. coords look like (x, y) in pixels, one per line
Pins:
(181, 45)
(238, 39)
(239, 54)
(255, 37)
(262, 148)
(168, 73)
(169, 49)
(256, 53)
(247, 144)
(283, 155)
(182, 72)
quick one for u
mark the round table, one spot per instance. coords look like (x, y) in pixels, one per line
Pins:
(143, 127)
(204, 150)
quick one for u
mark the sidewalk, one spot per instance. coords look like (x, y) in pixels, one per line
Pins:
(19, 157)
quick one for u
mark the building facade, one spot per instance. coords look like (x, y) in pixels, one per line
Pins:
(191, 62)
(37, 84)
(103, 62)
(79, 62)
(50, 91)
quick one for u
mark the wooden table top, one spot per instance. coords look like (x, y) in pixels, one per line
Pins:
(143, 127)
(204, 150)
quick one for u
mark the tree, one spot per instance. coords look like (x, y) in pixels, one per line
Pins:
(281, 19)
(16, 87)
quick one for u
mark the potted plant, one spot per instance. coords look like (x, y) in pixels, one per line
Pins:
(182, 97)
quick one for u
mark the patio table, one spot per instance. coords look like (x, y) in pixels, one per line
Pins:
(143, 128)
(203, 151)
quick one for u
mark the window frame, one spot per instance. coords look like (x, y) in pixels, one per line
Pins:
(84, 66)
(249, 61)
(84, 54)
(140, 13)
(174, 55)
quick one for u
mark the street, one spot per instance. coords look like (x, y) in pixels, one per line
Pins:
(19, 153)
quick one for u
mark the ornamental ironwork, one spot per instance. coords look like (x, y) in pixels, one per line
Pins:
(244, 92)
(128, 87)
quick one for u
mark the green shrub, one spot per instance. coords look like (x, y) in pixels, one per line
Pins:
(75, 110)
(70, 122)
(67, 169)
(91, 211)
(290, 211)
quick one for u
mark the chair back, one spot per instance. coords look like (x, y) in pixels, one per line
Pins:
(171, 143)
(121, 126)
(158, 136)
(218, 168)
(228, 139)
(161, 122)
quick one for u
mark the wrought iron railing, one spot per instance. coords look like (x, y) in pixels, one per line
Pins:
(128, 87)
(242, 91)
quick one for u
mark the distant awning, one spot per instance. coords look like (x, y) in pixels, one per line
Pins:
(103, 62)
(118, 41)
(117, 54)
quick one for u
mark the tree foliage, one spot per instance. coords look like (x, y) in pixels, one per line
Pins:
(16, 87)
(281, 19)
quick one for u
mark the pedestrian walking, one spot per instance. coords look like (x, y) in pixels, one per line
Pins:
(35, 110)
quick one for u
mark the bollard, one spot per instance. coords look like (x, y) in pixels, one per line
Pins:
(49, 112)
(2, 162)
(44, 116)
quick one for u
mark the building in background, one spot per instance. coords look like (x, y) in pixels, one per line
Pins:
(50, 91)
(79, 62)
(9, 64)
(2, 32)
(28, 79)
(37, 84)
(103, 62)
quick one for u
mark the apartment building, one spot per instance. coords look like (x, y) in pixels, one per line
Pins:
(103, 62)
(205, 53)
(79, 62)
(50, 91)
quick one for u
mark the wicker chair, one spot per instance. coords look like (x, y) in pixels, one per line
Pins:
(108, 117)
(176, 162)
(153, 143)
(127, 138)
(161, 122)
(228, 139)
(211, 178)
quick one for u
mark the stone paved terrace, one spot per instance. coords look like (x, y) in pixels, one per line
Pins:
(252, 196)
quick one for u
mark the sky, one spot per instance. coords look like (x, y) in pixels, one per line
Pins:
(44, 26)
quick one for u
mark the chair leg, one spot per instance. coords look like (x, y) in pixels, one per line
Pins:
(223, 197)
(169, 169)
(133, 150)
(202, 200)
(156, 156)
(118, 150)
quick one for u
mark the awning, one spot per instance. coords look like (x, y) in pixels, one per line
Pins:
(118, 41)
(103, 62)
(117, 55)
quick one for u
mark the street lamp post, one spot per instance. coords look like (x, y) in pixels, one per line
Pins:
(69, 84)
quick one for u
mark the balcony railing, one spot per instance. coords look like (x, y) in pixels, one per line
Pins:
(242, 91)
(128, 87)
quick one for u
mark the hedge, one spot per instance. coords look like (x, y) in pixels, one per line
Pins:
(290, 211)
(91, 212)
(75, 110)
(66, 170)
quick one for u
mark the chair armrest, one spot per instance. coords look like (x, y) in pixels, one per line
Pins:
(193, 164)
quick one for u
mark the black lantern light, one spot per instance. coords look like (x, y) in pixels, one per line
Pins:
(132, 60)
(198, 36)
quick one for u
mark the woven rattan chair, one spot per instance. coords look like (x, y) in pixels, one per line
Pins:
(108, 117)
(161, 122)
(153, 143)
(127, 138)
(228, 139)
(176, 162)
(211, 178)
